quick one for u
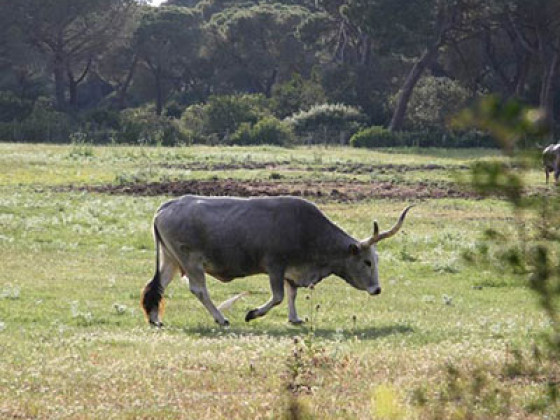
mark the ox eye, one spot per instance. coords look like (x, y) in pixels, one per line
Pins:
(368, 263)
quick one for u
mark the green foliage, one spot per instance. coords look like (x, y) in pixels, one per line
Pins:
(103, 118)
(43, 124)
(434, 101)
(141, 126)
(224, 115)
(256, 45)
(13, 108)
(327, 123)
(376, 136)
(295, 95)
(167, 41)
(268, 130)
(510, 122)
(507, 121)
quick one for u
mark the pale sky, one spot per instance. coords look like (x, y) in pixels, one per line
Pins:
(156, 2)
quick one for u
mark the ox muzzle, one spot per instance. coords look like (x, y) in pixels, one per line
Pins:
(374, 290)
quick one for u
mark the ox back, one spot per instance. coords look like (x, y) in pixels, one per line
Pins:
(240, 237)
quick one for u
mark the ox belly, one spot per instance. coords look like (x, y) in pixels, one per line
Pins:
(306, 275)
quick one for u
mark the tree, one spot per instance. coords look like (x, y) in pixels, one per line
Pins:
(255, 47)
(536, 26)
(72, 34)
(416, 29)
(167, 42)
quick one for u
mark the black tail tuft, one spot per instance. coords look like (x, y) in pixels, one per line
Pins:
(151, 296)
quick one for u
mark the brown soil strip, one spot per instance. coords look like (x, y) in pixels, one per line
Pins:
(342, 191)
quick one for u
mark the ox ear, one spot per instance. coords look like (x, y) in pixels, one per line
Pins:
(354, 249)
(375, 229)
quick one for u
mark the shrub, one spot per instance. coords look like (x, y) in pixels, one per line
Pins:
(381, 137)
(433, 101)
(375, 137)
(295, 95)
(224, 114)
(43, 124)
(103, 118)
(215, 121)
(327, 123)
(142, 126)
(12, 108)
(268, 130)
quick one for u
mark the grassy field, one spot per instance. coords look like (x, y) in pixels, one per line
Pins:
(445, 339)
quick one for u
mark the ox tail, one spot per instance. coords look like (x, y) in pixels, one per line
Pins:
(151, 298)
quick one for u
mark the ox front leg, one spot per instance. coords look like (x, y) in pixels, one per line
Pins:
(197, 285)
(292, 294)
(277, 287)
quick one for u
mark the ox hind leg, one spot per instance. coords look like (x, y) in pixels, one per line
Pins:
(277, 286)
(292, 294)
(152, 296)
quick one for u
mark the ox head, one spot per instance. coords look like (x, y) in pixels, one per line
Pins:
(361, 266)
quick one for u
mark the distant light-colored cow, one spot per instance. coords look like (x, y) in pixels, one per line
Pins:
(551, 161)
(288, 238)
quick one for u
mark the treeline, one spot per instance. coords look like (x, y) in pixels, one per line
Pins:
(366, 72)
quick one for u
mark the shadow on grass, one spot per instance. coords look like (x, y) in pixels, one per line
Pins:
(369, 333)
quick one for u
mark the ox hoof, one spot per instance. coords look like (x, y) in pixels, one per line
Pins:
(251, 315)
(224, 323)
(297, 321)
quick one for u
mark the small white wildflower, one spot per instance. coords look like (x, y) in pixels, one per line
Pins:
(120, 309)
(428, 299)
(2, 326)
(74, 309)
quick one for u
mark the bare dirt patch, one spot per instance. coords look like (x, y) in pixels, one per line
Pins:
(329, 190)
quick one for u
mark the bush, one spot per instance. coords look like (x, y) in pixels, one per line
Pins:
(381, 137)
(433, 101)
(268, 130)
(103, 118)
(43, 124)
(224, 114)
(12, 108)
(375, 137)
(327, 123)
(216, 121)
(142, 126)
(295, 95)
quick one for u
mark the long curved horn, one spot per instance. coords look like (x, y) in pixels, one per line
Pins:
(387, 234)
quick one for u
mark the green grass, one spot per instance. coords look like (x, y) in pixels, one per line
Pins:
(74, 342)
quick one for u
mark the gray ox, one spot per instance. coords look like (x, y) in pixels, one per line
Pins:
(551, 161)
(288, 238)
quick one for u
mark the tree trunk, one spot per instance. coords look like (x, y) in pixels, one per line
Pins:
(546, 102)
(408, 87)
(270, 83)
(59, 82)
(121, 97)
(159, 93)
(523, 66)
(72, 93)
